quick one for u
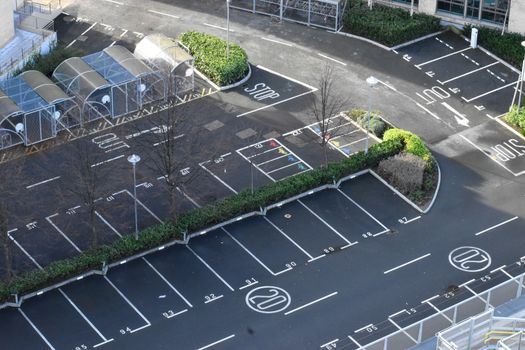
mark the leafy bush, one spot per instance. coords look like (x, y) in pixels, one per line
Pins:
(387, 25)
(210, 57)
(413, 144)
(515, 118)
(47, 63)
(199, 219)
(404, 171)
(507, 46)
(377, 125)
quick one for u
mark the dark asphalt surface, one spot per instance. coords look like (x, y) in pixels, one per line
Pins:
(322, 249)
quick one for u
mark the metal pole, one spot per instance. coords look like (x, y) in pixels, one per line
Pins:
(251, 174)
(368, 119)
(411, 8)
(135, 195)
(522, 77)
(228, 29)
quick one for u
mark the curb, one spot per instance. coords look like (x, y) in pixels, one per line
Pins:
(510, 66)
(417, 40)
(437, 189)
(384, 47)
(226, 87)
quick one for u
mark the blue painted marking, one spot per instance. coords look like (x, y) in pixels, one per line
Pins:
(291, 158)
(346, 150)
(301, 166)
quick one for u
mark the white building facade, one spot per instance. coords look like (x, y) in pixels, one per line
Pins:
(492, 13)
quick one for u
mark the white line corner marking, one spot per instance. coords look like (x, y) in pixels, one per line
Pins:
(407, 263)
(310, 303)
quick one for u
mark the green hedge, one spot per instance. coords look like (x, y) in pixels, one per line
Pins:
(515, 118)
(387, 25)
(199, 219)
(210, 58)
(47, 63)
(507, 46)
(413, 144)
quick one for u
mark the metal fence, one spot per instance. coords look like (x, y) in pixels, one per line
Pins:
(478, 303)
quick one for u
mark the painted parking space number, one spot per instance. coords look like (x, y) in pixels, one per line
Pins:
(469, 259)
(268, 299)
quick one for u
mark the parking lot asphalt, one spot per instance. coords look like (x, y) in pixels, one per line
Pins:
(337, 268)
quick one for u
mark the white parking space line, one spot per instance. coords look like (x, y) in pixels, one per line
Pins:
(107, 161)
(83, 33)
(108, 224)
(277, 41)
(36, 329)
(287, 77)
(218, 27)
(496, 226)
(22, 248)
(84, 317)
(468, 73)
(354, 341)
(402, 330)
(428, 111)
(363, 328)
(288, 238)
(211, 269)
(48, 218)
(364, 210)
(253, 255)
(43, 182)
(328, 225)
(114, 2)
(488, 92)
(217, 342)
(163, 14)
(283, 167)
(331, 59)
(407, 263)
(216, 177)
(167, 282)
(142, 205)
(310, 303)
(148, 323)
(441, 57)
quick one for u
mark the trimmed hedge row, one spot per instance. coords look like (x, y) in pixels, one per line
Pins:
(199, 219)
(210, 57)
(387, 25)
(507, 46)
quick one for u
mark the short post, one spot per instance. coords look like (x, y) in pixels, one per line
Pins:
(228, 29)
(474, 38)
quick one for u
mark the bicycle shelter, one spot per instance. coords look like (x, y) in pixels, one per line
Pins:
(166, 55)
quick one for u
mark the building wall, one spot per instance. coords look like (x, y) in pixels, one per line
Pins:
(517, 16)
(7, 28)
(425, 6)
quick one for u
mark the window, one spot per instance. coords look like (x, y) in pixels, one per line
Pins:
(454, 6)
(494, 10)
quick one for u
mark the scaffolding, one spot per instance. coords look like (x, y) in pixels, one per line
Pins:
(319, 13)
(167, 56)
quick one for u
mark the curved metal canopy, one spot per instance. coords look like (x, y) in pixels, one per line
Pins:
(44, 87)
(79, 78)
(161, 51)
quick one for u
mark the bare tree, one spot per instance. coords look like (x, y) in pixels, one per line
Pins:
(170, 136)
(86, 179)
(326, 103)
(5, 240)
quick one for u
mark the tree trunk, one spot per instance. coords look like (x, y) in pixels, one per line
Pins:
(6, 242)
(94, 233)
(173, 203)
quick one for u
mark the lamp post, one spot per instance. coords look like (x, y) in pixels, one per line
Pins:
(228, 29)
(371, 81)
(134, 159)
(519, 84)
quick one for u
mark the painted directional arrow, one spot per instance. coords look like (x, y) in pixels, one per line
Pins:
(460, 118)
(291, 158)
(281, 151)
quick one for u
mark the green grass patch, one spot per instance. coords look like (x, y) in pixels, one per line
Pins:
(387, 25)
(210, 57)
(516, 119)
